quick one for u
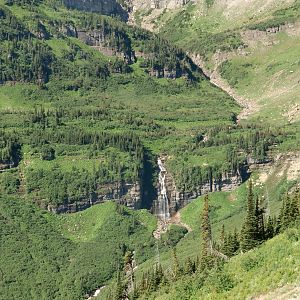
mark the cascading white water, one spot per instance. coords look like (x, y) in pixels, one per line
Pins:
(162, 205)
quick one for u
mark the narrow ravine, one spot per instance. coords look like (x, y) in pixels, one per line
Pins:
(249, 106)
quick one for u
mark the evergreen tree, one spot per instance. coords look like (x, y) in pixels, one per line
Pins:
(270, 230)
(289, 212)
(260, 227)
(176, 267)
(249, 228)
(120, 291)
(294, 212)
(189, 266)
(222, 239)
(236, 241)
(231, 244)
(206, 237)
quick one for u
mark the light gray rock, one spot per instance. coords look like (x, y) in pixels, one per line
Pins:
(129, 194)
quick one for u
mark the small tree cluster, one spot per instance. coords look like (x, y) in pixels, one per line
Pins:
(289, 213)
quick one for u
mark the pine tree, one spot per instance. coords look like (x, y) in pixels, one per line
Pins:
(294, 212)
(231, 244)
(249, 229)
(289, 212)
(176, 268)
(206, 237)
(159, 274)
(189, 267)
(222, 239)
(236, 242)
(120, 291)
(270, 230)
(260, 227)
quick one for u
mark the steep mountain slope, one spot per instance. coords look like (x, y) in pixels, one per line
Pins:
(103, 7)
(94, 111)
(251, 45)
(44, 256)
(272, 267)
(121, 78)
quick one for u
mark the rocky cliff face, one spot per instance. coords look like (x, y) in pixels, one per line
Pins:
(128, 194)
(179, 198)
(105, 7)
(157, 4)
(97, 40)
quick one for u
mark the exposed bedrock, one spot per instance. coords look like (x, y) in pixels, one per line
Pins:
(129, 194)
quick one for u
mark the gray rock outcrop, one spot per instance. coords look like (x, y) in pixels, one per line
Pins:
(105, 7)
(178, 199)
(128, 194)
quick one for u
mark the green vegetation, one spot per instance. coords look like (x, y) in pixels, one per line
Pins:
(59, 256)
(199, 37)
(271, 70)
(243, 275)
(87, 104)
(279, 17)
(260, 66)
(212, 276)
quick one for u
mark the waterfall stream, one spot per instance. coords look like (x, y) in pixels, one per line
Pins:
(162, 206)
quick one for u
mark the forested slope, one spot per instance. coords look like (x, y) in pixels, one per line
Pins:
(87, 106)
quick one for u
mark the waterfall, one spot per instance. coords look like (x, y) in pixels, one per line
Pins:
(162, 209)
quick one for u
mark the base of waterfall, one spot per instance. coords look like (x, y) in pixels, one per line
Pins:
(163, 225)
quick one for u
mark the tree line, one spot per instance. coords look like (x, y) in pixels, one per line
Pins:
(256, 229)
(10, 148)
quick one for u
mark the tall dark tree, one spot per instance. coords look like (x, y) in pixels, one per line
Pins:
(120, 291)
(249, 229)
(231, 244)
(222, 239)
(270, 228)
(260, 226)
(289, 212)
(176, 267)
(206, 236)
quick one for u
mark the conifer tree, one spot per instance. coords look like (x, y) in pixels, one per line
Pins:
(294, 212)
(269, 232)
(249, 229)
(206, 237)
(283, 218)
(120, 291)
(236, 242)
(189, 266)
(289, 212)
(159, 274)
(260, 227)
(176, 268)
(231, 244)
(222, 238)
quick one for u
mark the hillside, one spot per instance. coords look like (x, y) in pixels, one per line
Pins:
(251, 46)
(269, 272)
(117, 118)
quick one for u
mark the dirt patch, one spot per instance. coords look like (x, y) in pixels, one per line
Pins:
(287, 292)
(163, 225)
(293, 114)
(232, 197)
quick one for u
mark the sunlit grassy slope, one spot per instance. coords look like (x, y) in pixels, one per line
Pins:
(267, 71)
(272, 268)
